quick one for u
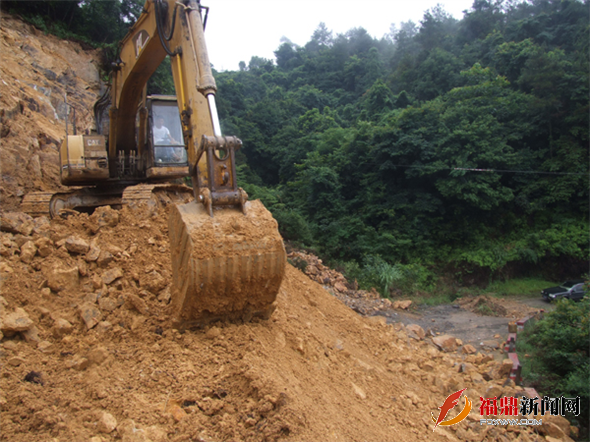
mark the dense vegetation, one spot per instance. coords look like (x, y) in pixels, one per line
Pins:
(365, 148)
(558, 363)
(456, 145)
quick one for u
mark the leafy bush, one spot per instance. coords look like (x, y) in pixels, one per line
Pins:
(378, 273)
(558, 347)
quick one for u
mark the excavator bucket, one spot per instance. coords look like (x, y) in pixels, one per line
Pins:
(226, 267)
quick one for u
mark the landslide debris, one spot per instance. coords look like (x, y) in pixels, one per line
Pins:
(107, 365)
(86, 349)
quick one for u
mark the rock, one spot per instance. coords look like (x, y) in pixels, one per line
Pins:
(105, 216)
(61, 327)
(104, 259)
(16, 222)
(32, 334)
(78, 363)
(417, 330)
(108, 304)
(165, 295)
(445, 342)
(103, 326)
(15, 361)
(27, 252)
(505, 368)
(90, 314)
(111, 275)
(44, 247)
(138, 304)
(549, 429)
(468, 349)
(555, 426)
(60, 278)
(340, 287)
(494, 391)
(459, 342)
(402, 305)
(490, 343)
(153, 282)
(93, 253)
(106, 423)
(45, 347)
(213, 333)
(98, 355)
(360, 393)
(16, 321)
(76, 245)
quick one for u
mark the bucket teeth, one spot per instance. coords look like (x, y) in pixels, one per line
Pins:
(226, 267)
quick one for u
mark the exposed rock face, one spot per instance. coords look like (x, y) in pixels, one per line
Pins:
(37, 70)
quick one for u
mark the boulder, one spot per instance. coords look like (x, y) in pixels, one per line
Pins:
(90, 314)
(154, 282)
(61, 278)
(27, 252)
(16, 222)
(17, 321)
(417, 330)
(106, 423)
(111, 275)
(105, 216)
(93, 253)
(77, 245)
(402, 305)
(61, 327)
(445, 342)
(468, 349)
(44, 247)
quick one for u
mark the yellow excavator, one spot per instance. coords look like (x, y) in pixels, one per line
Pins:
(228, 259)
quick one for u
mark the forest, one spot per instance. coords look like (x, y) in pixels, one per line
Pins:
(447, 147)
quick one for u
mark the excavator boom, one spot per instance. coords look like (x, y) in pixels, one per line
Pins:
(228, 258)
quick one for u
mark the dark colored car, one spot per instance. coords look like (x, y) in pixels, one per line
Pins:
(573, 289)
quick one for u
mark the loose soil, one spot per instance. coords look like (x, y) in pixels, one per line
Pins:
(87, 351)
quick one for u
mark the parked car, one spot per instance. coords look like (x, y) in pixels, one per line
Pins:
(573, 289)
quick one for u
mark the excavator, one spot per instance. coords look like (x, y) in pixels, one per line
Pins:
(228, 259)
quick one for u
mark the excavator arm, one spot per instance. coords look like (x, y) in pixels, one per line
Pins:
(175, 28)
(228, 258)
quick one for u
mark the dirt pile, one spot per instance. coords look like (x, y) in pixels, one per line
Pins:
(88, 352)
(486, 305)
(36, 72)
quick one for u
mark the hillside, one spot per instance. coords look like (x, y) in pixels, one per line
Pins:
(87, 352)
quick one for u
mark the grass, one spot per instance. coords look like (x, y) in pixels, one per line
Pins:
(530, 287)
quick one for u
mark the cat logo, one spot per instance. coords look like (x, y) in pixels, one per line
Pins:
(140, 39)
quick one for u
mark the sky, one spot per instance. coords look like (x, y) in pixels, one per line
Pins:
(239, 29)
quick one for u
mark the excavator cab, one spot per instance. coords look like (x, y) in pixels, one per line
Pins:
(165, 149)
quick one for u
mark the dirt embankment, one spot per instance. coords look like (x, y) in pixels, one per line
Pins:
(36, 73)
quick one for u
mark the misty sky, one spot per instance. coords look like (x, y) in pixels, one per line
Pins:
(238, 29)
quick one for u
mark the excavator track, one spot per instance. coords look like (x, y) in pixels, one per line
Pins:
(164, 193)
(53, 204)
(226, 267)
(37, 203)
